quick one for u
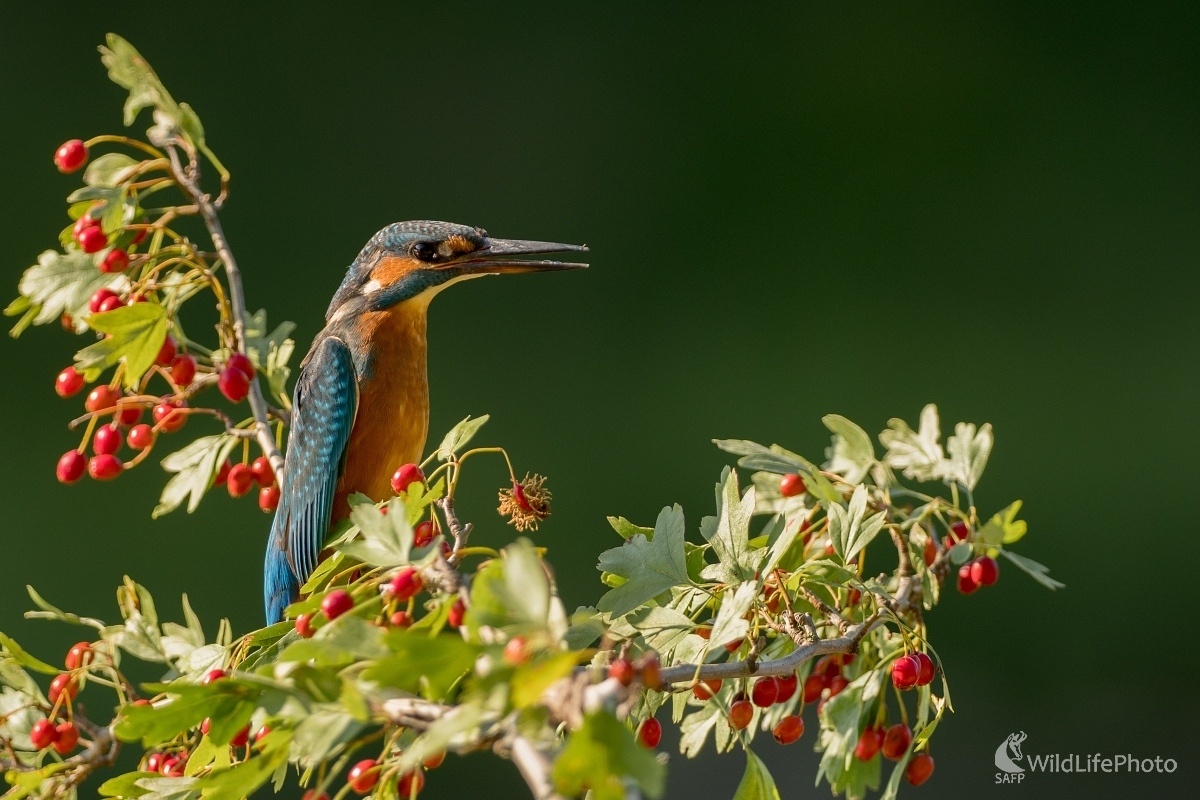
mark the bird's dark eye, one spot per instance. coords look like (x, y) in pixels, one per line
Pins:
(424, 251)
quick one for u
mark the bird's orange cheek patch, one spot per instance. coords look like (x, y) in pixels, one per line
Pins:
(390, 270)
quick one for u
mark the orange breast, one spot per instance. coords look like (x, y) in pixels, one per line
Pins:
(393, 403)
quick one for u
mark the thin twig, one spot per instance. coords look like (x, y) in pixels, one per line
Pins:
(189, 179)
(534, 766)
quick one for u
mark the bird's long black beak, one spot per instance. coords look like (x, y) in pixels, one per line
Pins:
(503, 256)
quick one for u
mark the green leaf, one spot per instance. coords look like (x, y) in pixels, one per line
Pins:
(757, 783)
(770, 459)
(458, 436)
(386, 539)
(600, 755)
(125, 785)
(917, 453)
(649, 566)
(626, 529)
(694, 728)
(850, 529)
(969, 450)
(1004, 527)
(342, 642)
(422, 663)
(530, 681)
(730, 625)
(586, 626)
(1035, 570)
(195, 467)
(851, 455)
(662, 628)
(731, 538)
(18, 654)
(108, 169)
(137, 333)
(187, 709)
(62, 283)
(512, 593)
(128, 69)
(49, 611)
(241, 780)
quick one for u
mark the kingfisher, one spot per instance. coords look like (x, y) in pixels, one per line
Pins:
(361, 403)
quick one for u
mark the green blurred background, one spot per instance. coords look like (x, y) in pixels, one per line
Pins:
(792, 211)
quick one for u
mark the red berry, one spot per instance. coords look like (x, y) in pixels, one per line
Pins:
(966, 584)
(514, 651)
(622, 670)
(649, 733)
(117, 260)
(457, 612)
(788, 730)
(985, 571)
(905, 671)
(733, 647)
(222, 474)
(261, 467)
(406, 583)
(62, 684)
(842, 659)
(268, 498)
(140, 236)
(304, 626)
(102, 398)
(434, 761)
(930, 553)
(68, 738)
(312, 794)
(423, 534)
(787, 687)
(92, 240)
(960, 532)
(183, 370)
(68, 382)
(71, 466)
(869, 742)
(154, 762)
(704, 690)
(896, 741)
(214, 675)
(765, 692)
(206, 726)
(128, 414)
(401, 619)
(410, 784)
(651, 678)
(166, 353)
(813, 686)
(336, 603)
(363, 776)
(234, 384)
(100, 296)
(405, 476)
(740, 714)
(261, 734)
(107, 439)
(168, 417)
(140, 437)
(828, 666)
(110, 304)
(704, 631)
(43, 734)
(86, 221)
(173, 766)
(919, 768)
(104, 467)
(925, 669)
(792, 485)
(239, 481)
(77, 656)
(836, 684)
(70, 155)
(241, 737)
(242, 363)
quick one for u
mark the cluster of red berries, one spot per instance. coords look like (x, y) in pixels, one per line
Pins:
(239, 479)
(364, 776)
(982, 571)
(62, 736)
(912, 670)
(894, 742)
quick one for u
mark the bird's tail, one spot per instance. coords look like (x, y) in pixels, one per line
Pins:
(280, 587)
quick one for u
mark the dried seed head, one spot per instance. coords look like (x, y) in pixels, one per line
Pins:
(527, 503)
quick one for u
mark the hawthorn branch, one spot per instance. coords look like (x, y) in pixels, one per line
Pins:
(189, 179)
(534, 766)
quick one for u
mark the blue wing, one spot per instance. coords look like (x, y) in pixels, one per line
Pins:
(326, 400)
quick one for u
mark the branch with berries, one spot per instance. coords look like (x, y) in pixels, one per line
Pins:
(408, 641)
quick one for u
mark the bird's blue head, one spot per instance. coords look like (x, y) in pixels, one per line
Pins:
(407, 259)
